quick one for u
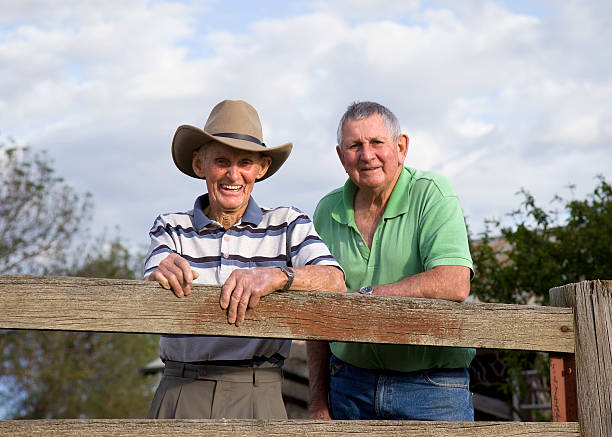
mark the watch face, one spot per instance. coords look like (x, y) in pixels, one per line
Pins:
(366, 290)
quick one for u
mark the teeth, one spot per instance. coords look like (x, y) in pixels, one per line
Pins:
(232, 187)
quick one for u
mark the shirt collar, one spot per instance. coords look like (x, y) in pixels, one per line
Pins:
(344, 212)
(398, 202)
(252, 214)
(200, 220)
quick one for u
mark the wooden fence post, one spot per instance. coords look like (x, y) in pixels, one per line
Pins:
(564, 399)
(592, 304)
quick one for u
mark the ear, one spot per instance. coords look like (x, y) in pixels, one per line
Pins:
(264, 165)
(340, 154)
(402, 145)
(197, 163)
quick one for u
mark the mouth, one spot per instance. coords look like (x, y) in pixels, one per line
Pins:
(231, 187)
(370, 168)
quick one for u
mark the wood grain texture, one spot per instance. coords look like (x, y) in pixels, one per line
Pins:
(261, 428)
(592, 303)
(107, 305)
(563, 393)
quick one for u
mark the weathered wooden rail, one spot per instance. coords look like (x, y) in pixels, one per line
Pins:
(580, 324)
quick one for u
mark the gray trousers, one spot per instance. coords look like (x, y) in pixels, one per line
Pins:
(189, 391)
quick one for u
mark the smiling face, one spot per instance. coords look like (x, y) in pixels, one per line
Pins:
(230, 174)
(370, 156)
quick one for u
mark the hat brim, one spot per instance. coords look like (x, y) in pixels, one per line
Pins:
(188, 138)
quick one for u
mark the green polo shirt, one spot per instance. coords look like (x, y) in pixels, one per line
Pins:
(421, 228)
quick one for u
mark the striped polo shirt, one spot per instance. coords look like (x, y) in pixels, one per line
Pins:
(264, 237)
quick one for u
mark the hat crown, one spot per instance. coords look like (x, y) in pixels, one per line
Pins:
(233, 123)
(234, 116)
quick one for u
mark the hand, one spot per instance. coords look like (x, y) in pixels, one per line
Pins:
(174, 272)
(319, 412)
(245, 287)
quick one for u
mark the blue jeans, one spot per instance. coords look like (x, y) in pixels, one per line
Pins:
(435, 394)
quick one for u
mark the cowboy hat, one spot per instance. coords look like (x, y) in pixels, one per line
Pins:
(233, 123)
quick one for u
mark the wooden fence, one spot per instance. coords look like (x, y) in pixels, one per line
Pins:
(579, 324)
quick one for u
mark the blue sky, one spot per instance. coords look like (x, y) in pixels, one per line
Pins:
(494, 95)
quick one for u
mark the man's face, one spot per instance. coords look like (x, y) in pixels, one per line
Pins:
(230, 174)
(369, 155)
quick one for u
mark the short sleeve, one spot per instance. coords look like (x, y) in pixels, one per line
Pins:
(305, 247)
(443, 232)
(162, 244)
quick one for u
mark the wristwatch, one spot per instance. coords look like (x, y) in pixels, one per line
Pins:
(290, 275)
(367, 290)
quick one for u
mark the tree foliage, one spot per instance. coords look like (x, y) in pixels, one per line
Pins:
(545, 248)
(39, 213)
(75, 374)
(63, 374)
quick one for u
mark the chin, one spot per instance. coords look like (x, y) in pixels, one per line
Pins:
(231, 206)
(372, 182)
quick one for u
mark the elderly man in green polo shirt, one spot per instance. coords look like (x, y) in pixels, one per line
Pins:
(396, 231)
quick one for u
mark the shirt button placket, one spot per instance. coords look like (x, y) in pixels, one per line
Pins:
(225, 268)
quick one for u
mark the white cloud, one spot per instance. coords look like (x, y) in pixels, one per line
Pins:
(366, 9)
(492, 97)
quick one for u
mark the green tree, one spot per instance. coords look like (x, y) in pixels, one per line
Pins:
(39, 213)
(63, 374)
(569, 242)
(79, 374)
(545, 248)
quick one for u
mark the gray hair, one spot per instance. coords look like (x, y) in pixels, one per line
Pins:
(360, 110)
(202, 151)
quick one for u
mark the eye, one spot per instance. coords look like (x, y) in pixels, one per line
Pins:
(245, 162)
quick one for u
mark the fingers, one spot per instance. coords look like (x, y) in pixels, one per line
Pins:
(242, 290)
(174, 272)
(243, 304)
(235, 307)
(254, 300)
(321, 414)
(226, 291)
(159, 277)
(184, 272)
(319, 411)
(175, 283)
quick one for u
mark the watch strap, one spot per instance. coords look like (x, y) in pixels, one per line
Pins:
(290, 275)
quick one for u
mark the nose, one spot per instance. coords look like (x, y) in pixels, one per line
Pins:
(232, 172)
(367, 153)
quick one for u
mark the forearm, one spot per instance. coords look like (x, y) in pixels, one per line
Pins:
(318, 278)
(318, 381)
(441, 282)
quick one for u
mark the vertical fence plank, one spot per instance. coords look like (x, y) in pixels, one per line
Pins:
(564, 398)
(592, 303)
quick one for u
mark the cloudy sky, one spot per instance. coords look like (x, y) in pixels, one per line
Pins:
(496, 95)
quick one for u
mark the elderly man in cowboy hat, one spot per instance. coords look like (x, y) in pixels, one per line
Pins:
(228, 239)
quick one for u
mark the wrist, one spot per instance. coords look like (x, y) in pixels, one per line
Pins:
(318, 403)
(289, 275)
